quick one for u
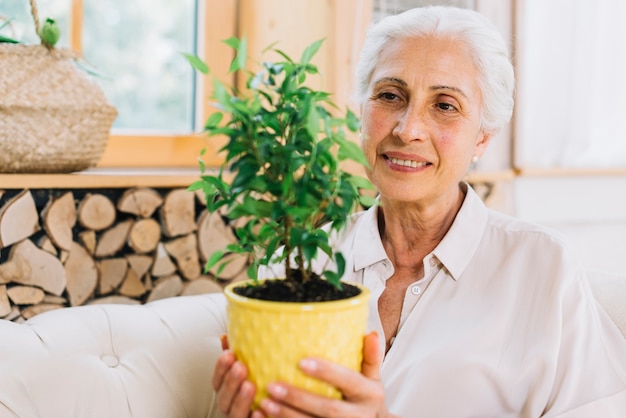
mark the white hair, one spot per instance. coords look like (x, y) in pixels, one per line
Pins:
(484, 43)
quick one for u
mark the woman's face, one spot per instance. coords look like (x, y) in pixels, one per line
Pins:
(421, 119)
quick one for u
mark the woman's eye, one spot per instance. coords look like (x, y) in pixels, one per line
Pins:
(388, 96)
(446, 106)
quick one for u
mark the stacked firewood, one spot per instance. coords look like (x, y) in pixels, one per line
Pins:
(141, 245)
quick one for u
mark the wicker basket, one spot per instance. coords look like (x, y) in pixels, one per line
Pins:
(53, 117)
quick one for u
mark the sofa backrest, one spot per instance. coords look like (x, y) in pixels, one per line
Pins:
(154, 360)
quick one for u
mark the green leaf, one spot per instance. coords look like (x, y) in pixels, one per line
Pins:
(8, 40)
(361, 182)
(310, 51)
(221, 95)
(241, 56)
(352, 121)
(350, 150)
(196, 63)
(213, 260)
(232, 42)
(196, 185)
(368, 201)
(312, 121)
(213, 121)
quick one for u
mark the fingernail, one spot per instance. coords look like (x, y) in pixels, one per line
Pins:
(308, 365)
(277, 390)
(270, 407)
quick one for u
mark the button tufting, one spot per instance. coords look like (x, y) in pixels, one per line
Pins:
(110, 360)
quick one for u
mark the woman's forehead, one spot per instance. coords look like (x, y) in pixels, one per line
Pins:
(441, 61)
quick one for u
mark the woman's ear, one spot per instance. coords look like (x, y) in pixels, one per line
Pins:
(481, 143)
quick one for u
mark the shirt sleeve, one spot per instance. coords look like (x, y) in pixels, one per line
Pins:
(590, 371)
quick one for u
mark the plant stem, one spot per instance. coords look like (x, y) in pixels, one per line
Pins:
(287, 248)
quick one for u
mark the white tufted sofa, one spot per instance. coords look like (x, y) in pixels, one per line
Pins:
(152, 361)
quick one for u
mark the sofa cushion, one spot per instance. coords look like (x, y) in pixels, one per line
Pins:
(153, 360)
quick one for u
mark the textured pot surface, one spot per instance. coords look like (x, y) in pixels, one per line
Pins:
(271, 337)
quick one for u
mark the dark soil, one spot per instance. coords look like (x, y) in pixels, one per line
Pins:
(315, 289)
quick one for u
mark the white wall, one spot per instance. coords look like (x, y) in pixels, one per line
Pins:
(589, 211)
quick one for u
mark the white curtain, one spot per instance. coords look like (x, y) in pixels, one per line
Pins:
(571, 94)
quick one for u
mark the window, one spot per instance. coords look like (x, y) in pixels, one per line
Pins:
(135, 47)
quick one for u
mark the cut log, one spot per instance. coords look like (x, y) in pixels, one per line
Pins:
(185, 251)
(43, 269)
(112, 273)
(115, 300)
(144, 236)
(82, 275)
(178, 213)
(88, 239)
(113, 240)
(132, 286)
(33, 310)
(201, 286)
(18, 219)
(166, 287)
(147, 282)
(140, 201)
(59, 217)
(45, 243)
(14, 269)
(5, 305)
(13, 314)
(163, 265)
(96, 212)
(140, 263)
(56, 300)
(213, 234)
(25, 295)
(236, 264)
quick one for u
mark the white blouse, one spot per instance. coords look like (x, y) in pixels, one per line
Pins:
(503, 324)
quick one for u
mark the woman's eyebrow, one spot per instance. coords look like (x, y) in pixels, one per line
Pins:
(444, 87)
(390, 80)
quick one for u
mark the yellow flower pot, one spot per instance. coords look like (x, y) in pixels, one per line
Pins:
(272, 337)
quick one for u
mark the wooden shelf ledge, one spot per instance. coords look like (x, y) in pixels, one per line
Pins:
(103, 178)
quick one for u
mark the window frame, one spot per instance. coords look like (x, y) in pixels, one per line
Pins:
(216, 22)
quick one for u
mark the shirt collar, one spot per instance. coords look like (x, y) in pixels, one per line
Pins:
(368, 247)
(455, 250)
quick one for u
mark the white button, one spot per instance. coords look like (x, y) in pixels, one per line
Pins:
(110, 360)
(415, 290)
(433, 262)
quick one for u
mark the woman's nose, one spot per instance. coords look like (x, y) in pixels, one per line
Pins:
(411, 126)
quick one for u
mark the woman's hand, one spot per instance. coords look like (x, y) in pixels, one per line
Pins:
(234, 393)
(363, 394)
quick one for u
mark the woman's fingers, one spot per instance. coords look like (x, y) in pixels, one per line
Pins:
(240, 406)
(231, 386)
(224, 362)
(371, 356)
(224, 341)
(290, 402)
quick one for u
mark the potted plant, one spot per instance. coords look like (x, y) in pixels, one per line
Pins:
(283, 188)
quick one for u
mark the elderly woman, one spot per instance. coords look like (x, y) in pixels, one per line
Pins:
(473, 313)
